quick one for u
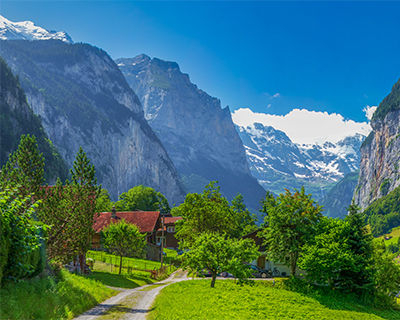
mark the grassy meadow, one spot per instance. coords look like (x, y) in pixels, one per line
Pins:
(394, 236)
(62, 297)
(259, 300)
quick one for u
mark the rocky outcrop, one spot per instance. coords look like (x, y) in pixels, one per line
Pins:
(84, 100)
(199, 136)
(339, 198)
(380, 159)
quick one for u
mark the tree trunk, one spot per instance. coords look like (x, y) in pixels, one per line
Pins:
(120, 265)
(293, 264)
(214, 277)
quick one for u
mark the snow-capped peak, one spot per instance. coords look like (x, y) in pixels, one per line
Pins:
(26, 30)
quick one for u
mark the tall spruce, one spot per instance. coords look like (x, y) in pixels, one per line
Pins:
(24, 169)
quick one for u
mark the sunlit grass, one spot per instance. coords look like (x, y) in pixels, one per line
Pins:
(196, 300)
(395, 235)
(51, 298)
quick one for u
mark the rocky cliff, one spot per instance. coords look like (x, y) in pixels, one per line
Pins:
(84, 100)
(380, 153)
(17, 118)
(199, 136)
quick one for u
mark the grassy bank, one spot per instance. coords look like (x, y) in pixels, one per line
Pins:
(196, 300)
(63, 297)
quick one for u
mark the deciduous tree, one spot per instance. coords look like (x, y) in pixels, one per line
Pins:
(123, 238)
(289, 219)
(216, 253)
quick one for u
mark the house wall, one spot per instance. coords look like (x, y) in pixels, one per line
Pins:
(264, 263)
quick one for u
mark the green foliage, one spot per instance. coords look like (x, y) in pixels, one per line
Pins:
(389, 104)
(20, 251)
(21, 120)
(387, 273)
(123, 238)
(246, 220)
(205, 212)
(70, 210)
(24, 169)
(259, 300)
(384, 188)
(142, 198)
(368, 140)
(103, 202)
(64, 297)
(214, 252)
(290, 219)
(384, 213)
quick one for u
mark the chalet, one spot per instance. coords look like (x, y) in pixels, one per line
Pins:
(170, 241)
(147, 221)
(263, 261)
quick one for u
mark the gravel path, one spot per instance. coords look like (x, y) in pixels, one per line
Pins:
(138, 299)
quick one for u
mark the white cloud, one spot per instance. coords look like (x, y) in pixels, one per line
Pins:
(276, 95)
(303, 126)
(369, 111)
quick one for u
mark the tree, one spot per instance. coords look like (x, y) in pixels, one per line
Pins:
(103, 202)
(246, 221)
(123, 238)
(216, 253)
(205, 212)
(360, 242)
(70, 210)
(24, 169)
(290, 218)
(20, 237)
(328, 253)
(142, 198)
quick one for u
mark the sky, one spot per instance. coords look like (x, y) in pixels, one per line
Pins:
(332, 57)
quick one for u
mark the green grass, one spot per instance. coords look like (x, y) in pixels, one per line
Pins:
(51, 298)
(395, 235)
(196, 300)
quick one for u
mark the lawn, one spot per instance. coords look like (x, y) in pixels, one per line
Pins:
(62, 297)
(395, 235)
(196, 300)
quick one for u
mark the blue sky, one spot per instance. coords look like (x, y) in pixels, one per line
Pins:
(322, 56)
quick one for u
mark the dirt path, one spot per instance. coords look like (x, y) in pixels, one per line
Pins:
(131, 304)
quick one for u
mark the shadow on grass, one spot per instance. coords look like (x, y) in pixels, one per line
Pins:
(338, 300)
(117, 280)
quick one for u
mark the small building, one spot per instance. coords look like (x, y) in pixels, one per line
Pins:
(147, 221)
(170, 240)
(263, 260)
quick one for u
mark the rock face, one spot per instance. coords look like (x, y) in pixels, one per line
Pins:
(278, 163)
(339, 197)
(199, 136)
(17, 118)
(380, 153)
(84, 100)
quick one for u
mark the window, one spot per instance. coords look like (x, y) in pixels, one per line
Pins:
(170, 229)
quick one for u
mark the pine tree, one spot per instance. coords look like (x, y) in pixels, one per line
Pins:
(24, 169)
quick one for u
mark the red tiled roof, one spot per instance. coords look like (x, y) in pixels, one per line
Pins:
(145, 220)
(171, 220)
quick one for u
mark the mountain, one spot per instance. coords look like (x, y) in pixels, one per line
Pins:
(17, 118)
(26, 30)
(380, 155)
(199, 136)
(339, 197)
(84, 100)
(278, 163)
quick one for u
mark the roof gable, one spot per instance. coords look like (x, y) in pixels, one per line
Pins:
(145, 220)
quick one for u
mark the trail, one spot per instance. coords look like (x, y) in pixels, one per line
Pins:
(131, 304)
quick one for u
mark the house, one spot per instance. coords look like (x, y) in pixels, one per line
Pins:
(170, 240)
(147, 221)
(263, 261)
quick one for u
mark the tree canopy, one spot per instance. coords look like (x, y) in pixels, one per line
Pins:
(290, 219)
(142, 198)
(123, 238)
